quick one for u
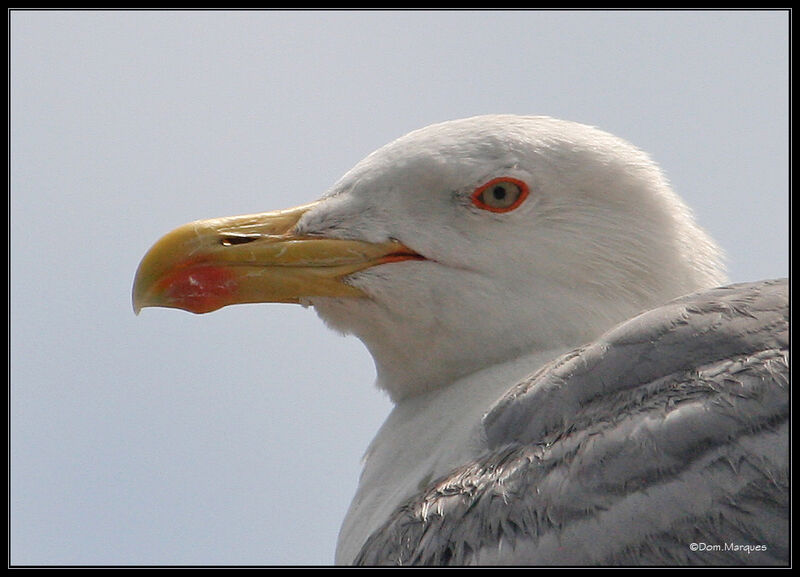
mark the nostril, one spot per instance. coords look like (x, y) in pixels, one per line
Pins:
(234, 239)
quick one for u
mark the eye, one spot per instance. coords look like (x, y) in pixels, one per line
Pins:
(500, 194)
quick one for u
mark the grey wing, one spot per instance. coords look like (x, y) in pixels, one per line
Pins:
(664, 442)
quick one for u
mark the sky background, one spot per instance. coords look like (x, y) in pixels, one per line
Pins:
(235, 437)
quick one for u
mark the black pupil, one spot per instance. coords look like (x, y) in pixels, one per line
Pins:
(499, 192)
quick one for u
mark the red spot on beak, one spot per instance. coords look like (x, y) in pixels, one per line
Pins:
(199, 288)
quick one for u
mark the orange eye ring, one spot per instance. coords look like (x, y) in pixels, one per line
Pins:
(502, 194)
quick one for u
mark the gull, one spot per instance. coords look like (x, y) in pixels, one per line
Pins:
(574, 380)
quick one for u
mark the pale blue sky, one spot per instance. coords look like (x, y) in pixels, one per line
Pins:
(235, 437)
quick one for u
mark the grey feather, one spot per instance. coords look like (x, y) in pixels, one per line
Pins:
(664, 442)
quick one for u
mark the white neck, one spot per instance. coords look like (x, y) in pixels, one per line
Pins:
(425, 437)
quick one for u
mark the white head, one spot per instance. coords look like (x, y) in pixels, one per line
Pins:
(599, 238)
(595, 236)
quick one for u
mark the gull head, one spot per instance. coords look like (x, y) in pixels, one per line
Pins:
(457, 246)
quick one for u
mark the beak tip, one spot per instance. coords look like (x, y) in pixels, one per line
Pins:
(136, 300)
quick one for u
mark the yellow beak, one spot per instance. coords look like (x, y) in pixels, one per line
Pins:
(208, 264)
